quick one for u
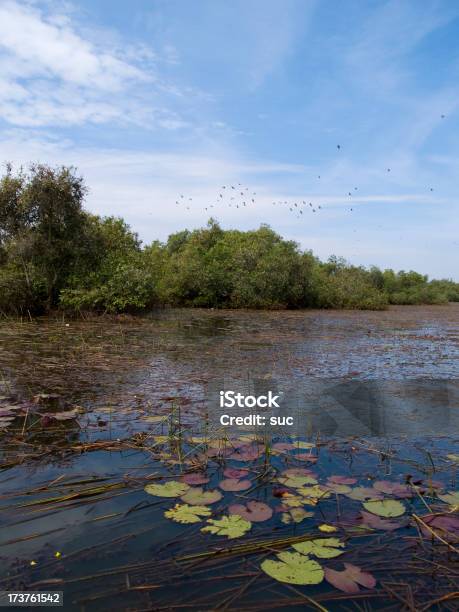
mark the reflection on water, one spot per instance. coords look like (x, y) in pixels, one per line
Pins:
(74, 466)
(376, 373)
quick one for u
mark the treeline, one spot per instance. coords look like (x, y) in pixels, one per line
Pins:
(54, 254)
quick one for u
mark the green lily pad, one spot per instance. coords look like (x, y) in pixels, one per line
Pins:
(385, 507)
(173, 488)
(296, 482)
(324, 548)
(451, 498)
(196, 496)
(183, 513)
(232, 526)
(295, 515)
(340, 489)
(293, 568)
(364, 493)
(315, 491)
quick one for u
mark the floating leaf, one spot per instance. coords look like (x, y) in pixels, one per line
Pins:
(295, 482)
(306, 457)
(293, 501)
(343, 480)
(253, 511)
(316, 492)
(293, 568)
(375, 522)
(154, 418)
(283, 446)
(235, 473)
(295, 515)
(183, 513)
(173, 488)
(335, 487)
(451, 498)
(248, 452)
(62, 416)
(385, 507)
(304, 445)
(233, 484)
(324, 528)
(324, 548)
(445, 525)
(196, 496)
(349, 579)
(393, 488)
(297, 472)
(453, 457)
(364, 493)
(195, 478)
(232, 526)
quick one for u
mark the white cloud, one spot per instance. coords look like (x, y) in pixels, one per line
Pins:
(51, 74)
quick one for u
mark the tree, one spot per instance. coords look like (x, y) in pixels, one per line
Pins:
(43, 226)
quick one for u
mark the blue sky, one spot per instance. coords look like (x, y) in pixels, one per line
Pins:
(155, 98)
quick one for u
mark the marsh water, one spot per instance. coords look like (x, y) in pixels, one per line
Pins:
(93, 410)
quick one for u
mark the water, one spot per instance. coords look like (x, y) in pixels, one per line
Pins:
(374, 394)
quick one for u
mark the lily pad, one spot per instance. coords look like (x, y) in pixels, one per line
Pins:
(349, 579)
(232, 526)
(295, 482)
(451, 498)
(293, 568)
(253, 511)
(324, 528)
(385, 507)
(294, 501)
(65, 415)
(233, 484)
(236, 473)
(340, 489)
(445, 525)
(196, 496)
(172, 488)
(375, 522)
(393, 488)
(343, 480)
(324, 548)
(364, 493)
(154, 418)
(306, 457)
(304, 445)
(315, 491)
(183, 513)
(295, 515)
(195, 478)
(290, 472)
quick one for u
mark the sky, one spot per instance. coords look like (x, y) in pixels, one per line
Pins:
(154, 99)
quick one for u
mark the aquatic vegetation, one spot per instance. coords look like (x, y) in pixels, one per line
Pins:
(386, 507)
(327, 528)
(324, 548)
(234, 484)
(350, 578)
(172, 488)
(253, 511)
(293, 568)
(146, 494)
(196, 496)
(295, 515)
(232, 526)
(183, 513)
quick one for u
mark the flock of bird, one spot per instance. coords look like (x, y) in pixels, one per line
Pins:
(240, 196)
